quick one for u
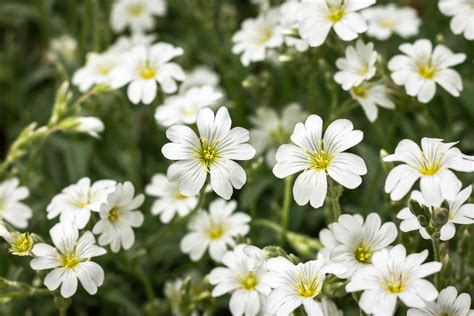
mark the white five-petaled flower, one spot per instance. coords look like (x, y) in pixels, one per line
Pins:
(98, 69)
(384, 20)
(422, 67)
(352, 242)
(243, 279)
(459, 213)
(394, 275)
(119, 215)
(20, 243)
(70, 259)
(462, 13)
(215, 230)
(432, 164)
(371, 95)
(319, 157)
(296, 285)
(12, 209)
(320, 16)
(357, 66)
(144, 67)
(447, 304)
(212, 152)
(169, 200)
(136, 14)
(76, 202)
(257, 36)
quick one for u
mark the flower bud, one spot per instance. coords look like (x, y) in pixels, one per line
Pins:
(440, 217)
(421, 211)
(85, 124)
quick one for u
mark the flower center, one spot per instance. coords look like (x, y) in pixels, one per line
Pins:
(180, 196)
(430, 165)
(215, 232)
(362, 253)
(307, 287)
(22, 244)
(360, 91)
(336, 14)
(427, 71)
(265, 36)
(249, 281)
(104, 70)
(136, 10)
(395, 286)
(148, 72)
(207, 153)
(320, 160)
(69, 260)
(387, 23)
(113, 215)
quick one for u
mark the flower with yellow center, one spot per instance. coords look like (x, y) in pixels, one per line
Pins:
(136, 10)
(306, 287)
(336, 14)
(362, 253)
(20, 243)
(249, 281)
(148, 72)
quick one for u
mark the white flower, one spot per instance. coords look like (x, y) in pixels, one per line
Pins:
(290, 19)
(170, 201)
(12, 209)
(118, 217)
(357, 66)
(64, 47)
(76, 202)
(70, 259)
(320, 16)
(243, 279)
(83, 124)
(421, 68)
(20, 243)
(97, 70)
(272, 130)
(296, 285)
(213, 153)
(369, 95)
(183, 108)
(384, 20)
(394, 275)
(352, 242)
(432, 164)
(459, 213)
(462, 12)
(214, 230)
(448, 303)
(319, 157)
(257, 36)
(198, 77)
(143, 67)
(126, 43)
(136, 14)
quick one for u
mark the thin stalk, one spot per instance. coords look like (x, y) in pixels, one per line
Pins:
(437, 257)
(285, 210)
(334, 208)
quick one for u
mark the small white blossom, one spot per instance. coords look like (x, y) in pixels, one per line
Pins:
(20, 243)
(448, 303)
(63, 47)
(12, 209)
(462, 13)
(371, 95)
(136, 14)
(125, 43)
(97, 70)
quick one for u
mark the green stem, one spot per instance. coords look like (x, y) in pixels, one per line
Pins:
(334, 208)
(150, 293)
(437, 257)
(285, 209)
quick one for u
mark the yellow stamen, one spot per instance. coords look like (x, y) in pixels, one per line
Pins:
(22, 244)
(207, 153)
(362, 253)
(266, 35)
(360, 91)
(215, 232)
(136, 10)
(320, 160)
(427, 71)
(306, 287)
(148, 72)
(179, 196)
(113, 215)
(387, 23)
(336, 15)
(69, 260)
(249, 281)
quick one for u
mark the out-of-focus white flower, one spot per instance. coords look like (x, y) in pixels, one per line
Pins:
(290, 19)
(169, 200)
(371, 95)
(126, 43)
(12, 209)
(119, 215)
(352, 242)
(421, 68)
(214, 230)
(183, 108)
(212, 152)
(357, 66)
(459, 213)
(83, 124)
(394, 275)
(76, 202)
(432, 164)
(319, 157)
(70, 259)
(462, 13)
(198, 77)
(243, 279)
(136, 14)
(448, 303)
(20, 243)
(384, 20)
(271, 130)
(64, 47)
(257, 36)
(144, 67)
(97, 70)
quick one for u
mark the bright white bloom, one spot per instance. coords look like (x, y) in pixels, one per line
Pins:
(97, 70)
(136, 14)
(462, 13)
(384, 20)
(371, 95)
(20, 243)
(357, 66)
(394, 275)
(83, 124)
(76, 202)
(459, 213)
(212, 152)
(12, 209)
(198, 77)
(296, 285)
(243, 279)
(214, 230)
(169, 200)
(421, 68)
(183, 108)
(144, 67)
(290, 19)
(272, 130)
(352, 242)
(126, 43)
(257, 36)
(318, 157)
(119, 215)
(432, 164)
(448, 303)
(320, 16)
(70, 259)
